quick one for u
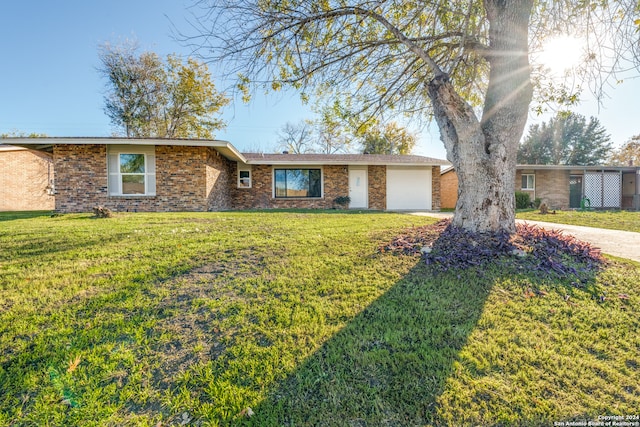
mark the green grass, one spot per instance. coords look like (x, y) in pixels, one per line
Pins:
(156, 319)
(613, 220)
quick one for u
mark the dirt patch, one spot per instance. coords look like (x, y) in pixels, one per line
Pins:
(185, 334)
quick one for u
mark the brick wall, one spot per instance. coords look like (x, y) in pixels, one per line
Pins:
(218, 170)
(377, 187)
(81, 176)
(198, 179)
(187, 179)
(436, 197)
(24, 178)
(260, 195)
(552, 188)
(449, 190)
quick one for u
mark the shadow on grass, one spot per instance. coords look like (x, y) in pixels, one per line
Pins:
(13, 215)
(390, 363)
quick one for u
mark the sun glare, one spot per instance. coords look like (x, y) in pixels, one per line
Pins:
(560, 54)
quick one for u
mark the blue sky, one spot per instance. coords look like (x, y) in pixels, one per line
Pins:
(49, 83)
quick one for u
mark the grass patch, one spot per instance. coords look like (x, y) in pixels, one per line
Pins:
(144, 319)
(613, 220)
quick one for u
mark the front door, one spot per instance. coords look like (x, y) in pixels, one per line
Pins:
(575, 191)
(358, 188)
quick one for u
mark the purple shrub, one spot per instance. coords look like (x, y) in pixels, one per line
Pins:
(540, 251)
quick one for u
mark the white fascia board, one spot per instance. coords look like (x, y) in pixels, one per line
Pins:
(337, 163)
(224, 147)
(11, 148)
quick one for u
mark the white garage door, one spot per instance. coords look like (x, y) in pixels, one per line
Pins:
(408, 188)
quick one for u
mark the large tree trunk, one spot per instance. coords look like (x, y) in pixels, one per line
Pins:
(483, 152)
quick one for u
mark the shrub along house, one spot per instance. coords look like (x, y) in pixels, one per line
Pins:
(565, 187)
(125, 174)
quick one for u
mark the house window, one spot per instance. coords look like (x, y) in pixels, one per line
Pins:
(132, 173)
(294, 183)
(244, 178)
(528, 182)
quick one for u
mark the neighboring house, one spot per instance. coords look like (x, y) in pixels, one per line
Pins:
(564, 187)
(197, 175)
(26, 179)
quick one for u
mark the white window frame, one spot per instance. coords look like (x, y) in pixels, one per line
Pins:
(533, 181)
(114, 186)
(241, 184)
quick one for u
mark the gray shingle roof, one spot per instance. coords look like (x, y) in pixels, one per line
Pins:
(343, 159)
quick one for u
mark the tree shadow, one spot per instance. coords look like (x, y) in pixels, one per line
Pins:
(13, 215)
(389, 364)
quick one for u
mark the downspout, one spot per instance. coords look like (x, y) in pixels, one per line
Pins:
(620, 189)
(584, 183)
(636, 197)
(602, 188)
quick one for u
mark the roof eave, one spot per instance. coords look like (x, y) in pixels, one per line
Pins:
(46, 144)
(337, 163)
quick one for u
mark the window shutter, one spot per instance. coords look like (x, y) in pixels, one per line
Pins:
(112, 167)
(151, 174)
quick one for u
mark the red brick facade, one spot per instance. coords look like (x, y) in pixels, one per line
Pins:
(435, 188)
(377, 187)
(260, 195)
(25, 180)
(81, 177)
(194, 178)
(187, 179)
(448, 189)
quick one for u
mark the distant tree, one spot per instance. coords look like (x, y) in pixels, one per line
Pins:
(21, 134)
(628, 154)
(390, 139)
(148, 97)
(567, 139)
(337, 130)
(296, 138)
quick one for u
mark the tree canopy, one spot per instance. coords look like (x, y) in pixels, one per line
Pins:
(628, 154)
(567, 139)
(465, 64)
(148, 97)
(388, 139)
(328, 135)
(21, 134)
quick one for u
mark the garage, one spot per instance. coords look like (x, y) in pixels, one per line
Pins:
(408, 188)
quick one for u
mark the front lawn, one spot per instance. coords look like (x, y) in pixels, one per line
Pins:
(613, 220)
(298, 319)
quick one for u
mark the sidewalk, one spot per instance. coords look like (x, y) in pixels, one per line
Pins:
(623, 244)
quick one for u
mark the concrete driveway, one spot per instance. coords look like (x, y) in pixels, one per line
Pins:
(623, 244)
